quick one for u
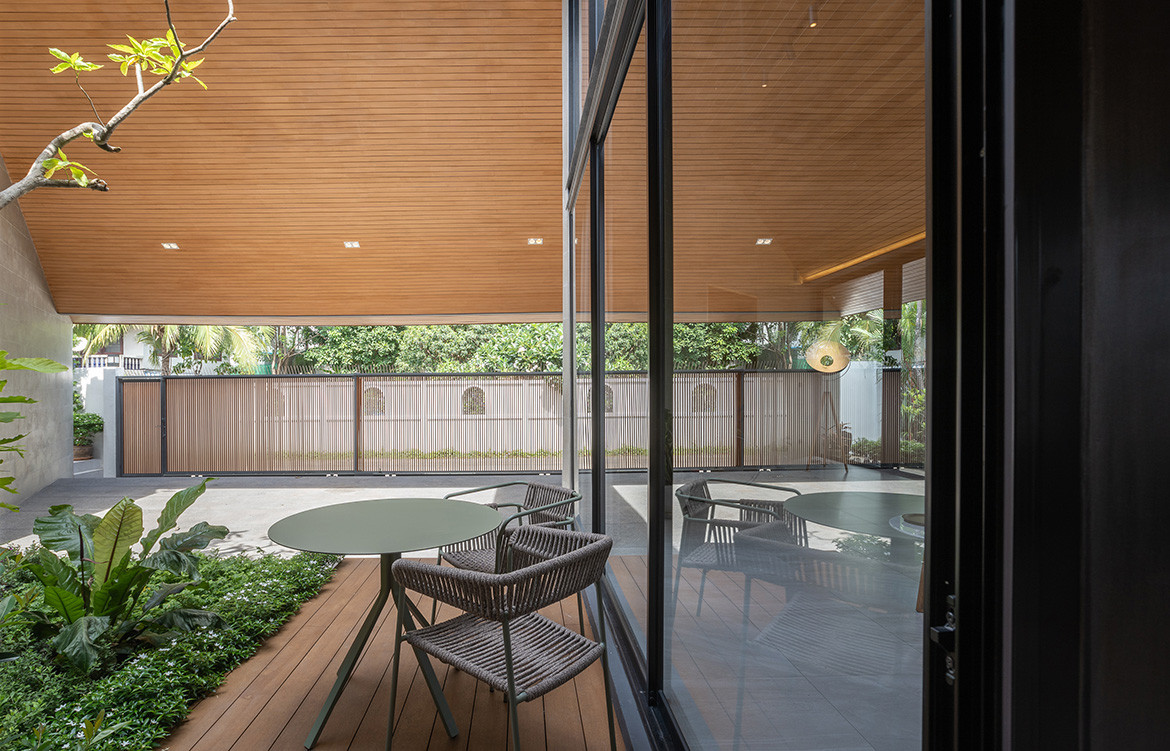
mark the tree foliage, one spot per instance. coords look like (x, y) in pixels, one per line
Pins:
(191, 344)
(350, 349)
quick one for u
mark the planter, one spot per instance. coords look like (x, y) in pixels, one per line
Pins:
(82, 452)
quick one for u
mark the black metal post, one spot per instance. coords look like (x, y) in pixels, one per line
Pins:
(661, 318)
(357, 423)
(162, 425)
(739, 418)
(597, 326)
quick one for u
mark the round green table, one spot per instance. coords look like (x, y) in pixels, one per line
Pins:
(387, 528)
(861, 511)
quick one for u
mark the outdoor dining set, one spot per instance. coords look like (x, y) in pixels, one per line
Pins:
(500, 563)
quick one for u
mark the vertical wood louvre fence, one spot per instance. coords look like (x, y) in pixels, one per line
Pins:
(484, 423)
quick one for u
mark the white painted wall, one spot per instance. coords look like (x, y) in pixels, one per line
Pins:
(861, 399)
(31, 327)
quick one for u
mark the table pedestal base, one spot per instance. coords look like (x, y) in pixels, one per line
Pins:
(388, 587)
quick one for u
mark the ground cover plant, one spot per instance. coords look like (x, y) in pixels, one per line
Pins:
(142, 694)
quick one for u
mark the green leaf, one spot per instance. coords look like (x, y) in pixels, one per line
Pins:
(54, 572)
(59, 67)
(8, 606)
(39, 364)
(10, 416)
(59, 531)
(177, 562)
(59, 54)
(196, 538)
(118, 531)
(200, 83)
(5, 482)
(174, 508)
(112, 597)
(162, 593)
(70, 606)
(193, 64)
(17, 400)
(120, 48)
(187, 619)
(76, 641)
(125, 66)
(8, 506)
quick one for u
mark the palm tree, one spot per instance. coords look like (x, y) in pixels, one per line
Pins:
(241, 343)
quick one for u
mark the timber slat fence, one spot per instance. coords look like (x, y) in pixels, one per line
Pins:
(489, 422)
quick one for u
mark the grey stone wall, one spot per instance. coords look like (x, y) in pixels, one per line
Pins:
(31, 327)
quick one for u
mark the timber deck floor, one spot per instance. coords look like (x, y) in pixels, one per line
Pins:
(271, 701)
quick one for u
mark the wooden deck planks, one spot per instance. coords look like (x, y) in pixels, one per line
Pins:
(271, 701)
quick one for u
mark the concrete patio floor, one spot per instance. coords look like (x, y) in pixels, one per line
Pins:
(248, 506)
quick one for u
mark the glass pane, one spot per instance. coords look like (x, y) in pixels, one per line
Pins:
(799, 225)
(626, 395)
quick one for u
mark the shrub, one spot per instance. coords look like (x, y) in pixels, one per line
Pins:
(91, 596)
(868, 450)
(85, 424)
(152, 689)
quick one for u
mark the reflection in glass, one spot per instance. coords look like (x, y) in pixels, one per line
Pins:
(799, 387)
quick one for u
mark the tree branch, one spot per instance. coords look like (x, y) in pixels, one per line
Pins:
(77, 80)
(101, 132)
(101, 140)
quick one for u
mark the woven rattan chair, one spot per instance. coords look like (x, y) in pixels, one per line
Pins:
(708, 540)
(544, 505)
(501, 639)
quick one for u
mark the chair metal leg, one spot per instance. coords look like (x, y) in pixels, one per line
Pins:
(394, 669)
(702, 585)
(580, 614)
(514, 720)
(434, 602)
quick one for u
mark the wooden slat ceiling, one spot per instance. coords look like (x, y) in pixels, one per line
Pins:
(827, 159)
(430, 132)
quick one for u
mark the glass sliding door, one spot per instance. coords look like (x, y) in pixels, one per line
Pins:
(625, 387)
(799, 215)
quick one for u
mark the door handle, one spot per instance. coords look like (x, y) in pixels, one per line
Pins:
(945, 637)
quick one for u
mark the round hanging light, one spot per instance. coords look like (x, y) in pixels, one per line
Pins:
(827, 356)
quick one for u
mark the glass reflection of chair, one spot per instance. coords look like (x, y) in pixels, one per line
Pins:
(708, 539)
(542, 505)
(500, 638)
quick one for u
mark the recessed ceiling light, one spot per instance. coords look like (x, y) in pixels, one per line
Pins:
(170, 246)
(812, 16)
(536, 241)
(763, 241)
(352, 244)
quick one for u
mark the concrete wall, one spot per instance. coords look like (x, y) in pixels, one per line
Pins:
(99, 390)
(31, 327)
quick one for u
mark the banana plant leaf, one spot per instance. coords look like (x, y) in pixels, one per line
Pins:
(66, 531)
(118, 531)
(77, 641)
(196, 538)
(169, 517)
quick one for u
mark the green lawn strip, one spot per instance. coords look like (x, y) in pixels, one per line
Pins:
(153, 688)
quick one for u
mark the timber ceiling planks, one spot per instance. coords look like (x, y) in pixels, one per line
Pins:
(430, 132)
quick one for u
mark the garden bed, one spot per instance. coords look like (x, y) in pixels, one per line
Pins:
(152, 689)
